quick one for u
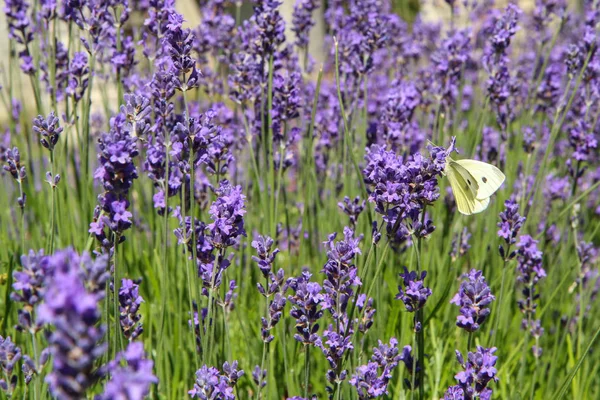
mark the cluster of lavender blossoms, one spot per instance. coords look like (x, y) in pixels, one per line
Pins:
(129, 305)
(28, 289)
(77, 339)
(413, 292)
(478, 371)
(212, 384)
(473, 298)
(341, 281)
(307, 303)
(275, 285)
(510, 225)
(402, 188)
(116, 173)
(130, 373)
(530, 272)
(10, 354)
(371, 380)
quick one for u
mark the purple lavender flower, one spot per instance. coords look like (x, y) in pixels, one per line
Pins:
(227, 213)
(76, 342)
(360, 35)
(413, 292)
(302, 20)
(454, 393)
(396, 128)
(155, 26)
(371, 380)
(340, 281)
(529, 267)
(366, 311)
(130, 375)
(460, 244)
(529, 139)
(479, 371)
(500, 85)
(589, 279)
(510, 224)
(584, 146)
(307, 308)
(500, 33)
(210, 384)
(20, 29)
(352, 208)
(266, 257)
(179, 42)
(116, 172)
(228, 302)
(275, 285)
(270, 25)
(28, 288)
(413, 366)
(10, 354)
(259, 376)
(78, 76)
(401, 188)
(12, 157)
(213, 36)
(49, 130)
(137, 111)
(19, 23)
(341, 273)
(286, 102)
(129, 304)
(448, 65)
(473, 298)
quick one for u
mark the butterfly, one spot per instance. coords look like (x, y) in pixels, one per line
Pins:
(473, 183)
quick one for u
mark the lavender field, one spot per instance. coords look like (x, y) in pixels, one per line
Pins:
(240, 210)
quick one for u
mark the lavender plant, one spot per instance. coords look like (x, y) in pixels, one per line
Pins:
(208, 153)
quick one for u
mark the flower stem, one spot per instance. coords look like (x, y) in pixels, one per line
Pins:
(306, 370)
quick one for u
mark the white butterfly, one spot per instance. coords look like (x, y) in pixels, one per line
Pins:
(473, 183)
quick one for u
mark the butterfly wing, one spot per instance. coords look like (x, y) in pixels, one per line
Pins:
(488, 177)
(465, 198)
(471, 184)
(480, 205)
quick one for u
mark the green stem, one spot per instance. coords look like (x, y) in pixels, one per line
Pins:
(116, 296)
(420, 318)
(53, 213)
(36, 392)
(269, 150)
(306, 370)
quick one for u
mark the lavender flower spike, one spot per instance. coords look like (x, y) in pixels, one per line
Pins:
(414, 294)
(130, 381)
(211, 384)
(76, 342)
(479, 371)
(129, 304)
(510, 224)
(371, 380)
(473, 298)
(302, 20)
(10, 354)
(49, 130)
(307, 302)
(28, 288)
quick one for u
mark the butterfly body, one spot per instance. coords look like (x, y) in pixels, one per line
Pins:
(473, 183)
